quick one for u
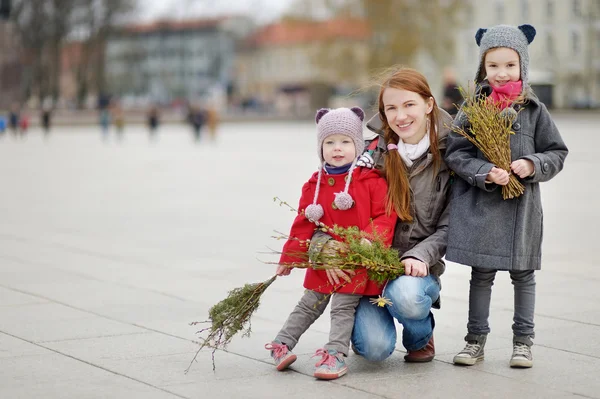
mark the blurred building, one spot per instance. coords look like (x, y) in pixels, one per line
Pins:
(564, 56)
(284, 66)
(10, 65)
(167, 60)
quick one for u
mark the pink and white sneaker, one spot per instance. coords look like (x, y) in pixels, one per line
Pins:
(331, 365)
(281, 354)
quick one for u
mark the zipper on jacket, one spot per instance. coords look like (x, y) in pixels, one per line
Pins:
(438, 185)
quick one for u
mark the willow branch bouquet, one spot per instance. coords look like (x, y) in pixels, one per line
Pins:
(489, 130)
(232, 315)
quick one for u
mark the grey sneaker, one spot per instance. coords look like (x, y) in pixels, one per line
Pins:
(521, 357)
(472, 353)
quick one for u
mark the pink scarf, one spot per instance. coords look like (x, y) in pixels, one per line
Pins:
(505, 95)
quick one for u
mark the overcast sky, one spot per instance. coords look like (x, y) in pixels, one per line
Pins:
(262, 10)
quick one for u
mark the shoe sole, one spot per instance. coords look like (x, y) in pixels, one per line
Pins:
(521, 364)
(330, 376)
(418, 360)
(467, 361)
(286, 363)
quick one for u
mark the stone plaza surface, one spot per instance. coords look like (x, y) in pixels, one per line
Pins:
(109, 249)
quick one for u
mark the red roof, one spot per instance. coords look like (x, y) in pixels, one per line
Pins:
(171, 25)
(294, 32)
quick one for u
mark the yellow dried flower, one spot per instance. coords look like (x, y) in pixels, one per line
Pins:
(381, 301)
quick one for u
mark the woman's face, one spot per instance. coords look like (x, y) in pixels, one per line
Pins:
(502, 66)
(406, 113)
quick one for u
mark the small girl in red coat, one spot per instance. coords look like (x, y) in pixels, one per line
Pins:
(339, 193)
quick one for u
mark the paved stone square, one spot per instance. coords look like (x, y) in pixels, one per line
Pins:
(109, 249)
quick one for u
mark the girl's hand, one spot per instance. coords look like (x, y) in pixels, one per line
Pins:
(283, 270)
(498, 176)
(522, 168)
(334, 275)
(414, 267)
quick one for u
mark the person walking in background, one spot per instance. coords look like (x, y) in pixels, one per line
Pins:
(212, 121)
(452, 96)
(152, 121)
(45, 119)
(23, 124)
(408, 143)
(344, 195)
(13, 119)
(105, 122)
(119, 119)
(2, 124)
(486, 231)
(196, 118)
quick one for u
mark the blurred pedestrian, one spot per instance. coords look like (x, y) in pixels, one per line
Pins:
(196, 118)
(452, 96)
(104, 122)
(13, 119)
(2, 124)
(212, 122)
(119, 119)
(153, 121)
(45, 117)
(23, 124)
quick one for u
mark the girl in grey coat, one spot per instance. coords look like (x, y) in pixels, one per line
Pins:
(485, 231)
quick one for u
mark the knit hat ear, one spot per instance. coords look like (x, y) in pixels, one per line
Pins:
(358, 111)
(529, 32)
(479, 35)
(321, 113)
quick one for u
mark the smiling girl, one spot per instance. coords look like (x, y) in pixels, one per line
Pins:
(487, 232)
(342, 194)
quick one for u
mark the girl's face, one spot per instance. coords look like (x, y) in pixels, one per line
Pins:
(338, 150)
(406, 113)
(502, 66)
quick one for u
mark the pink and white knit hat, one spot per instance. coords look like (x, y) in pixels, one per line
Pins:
(346, 121)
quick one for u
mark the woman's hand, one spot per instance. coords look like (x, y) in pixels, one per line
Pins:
(498, 176)
(283, 270)
(522, 168)
(414, 267)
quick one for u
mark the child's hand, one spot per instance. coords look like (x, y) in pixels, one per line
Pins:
(334, 275)
(283, 270)
(498, 176)
(522, 168)
(414, 267)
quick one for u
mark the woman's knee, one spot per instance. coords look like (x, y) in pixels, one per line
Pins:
(409, 300)
(374, 347)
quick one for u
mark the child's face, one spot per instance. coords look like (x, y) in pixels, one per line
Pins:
(406, 113)
(338, 150)
(502, 66)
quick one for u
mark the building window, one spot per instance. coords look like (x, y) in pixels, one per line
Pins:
(550, 9)
(525, 9)
(575, 43)
(576, 8)
(500, 10)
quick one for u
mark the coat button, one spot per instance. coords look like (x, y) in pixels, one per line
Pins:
(405, 227)
(470, 180)
(545, 167)
(517, 126)
(333, 205)
(346, 178)
(331, 181)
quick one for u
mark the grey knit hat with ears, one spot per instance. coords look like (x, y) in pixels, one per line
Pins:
(346, 121)
(514, 37)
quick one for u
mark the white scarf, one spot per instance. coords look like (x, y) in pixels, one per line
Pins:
(410, 152)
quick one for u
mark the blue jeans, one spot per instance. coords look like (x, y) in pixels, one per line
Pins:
(374, 334)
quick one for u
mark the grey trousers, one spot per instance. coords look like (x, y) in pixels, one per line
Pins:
(524, 303)
(311, 306)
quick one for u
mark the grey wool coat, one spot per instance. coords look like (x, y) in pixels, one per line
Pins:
(485, 230)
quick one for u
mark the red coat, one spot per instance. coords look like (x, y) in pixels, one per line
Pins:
(369, 191)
